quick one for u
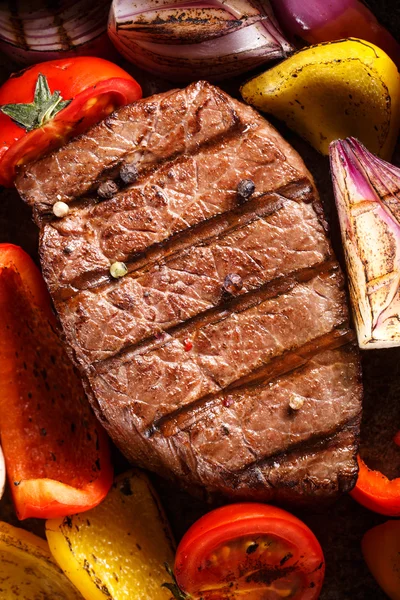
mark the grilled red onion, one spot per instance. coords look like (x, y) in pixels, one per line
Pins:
(36, 30)
(186, 40)
(368, 202)
(320, 21)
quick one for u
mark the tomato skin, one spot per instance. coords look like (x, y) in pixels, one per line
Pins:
(376, 492)
(77, 79)
(213, 560)
(381, 550)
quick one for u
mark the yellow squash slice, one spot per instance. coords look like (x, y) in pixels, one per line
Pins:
(27, 569)
(117, 550)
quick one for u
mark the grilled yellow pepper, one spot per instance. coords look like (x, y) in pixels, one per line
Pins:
(118, 549)
(332, 91)
(27, 569)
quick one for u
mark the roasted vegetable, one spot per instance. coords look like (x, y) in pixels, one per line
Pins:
(118, 549)
(41, 30)
(56, 453)
(183, 40)
(381, 549)
(376, 492)
(252, 551)
(332, 91)
(368, 202)
(318, 21)
(27, 569)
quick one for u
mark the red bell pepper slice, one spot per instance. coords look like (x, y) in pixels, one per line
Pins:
(376, 492)
(56, 453)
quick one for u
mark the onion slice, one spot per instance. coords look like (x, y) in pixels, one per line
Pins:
(33, 31)
(368, 202)
(187, 40)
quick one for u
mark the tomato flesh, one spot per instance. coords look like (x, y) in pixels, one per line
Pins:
(262, 555)
(251, 566)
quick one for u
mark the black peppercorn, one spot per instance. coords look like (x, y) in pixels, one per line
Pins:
(107, 189)
(245, 188)
(128, 173)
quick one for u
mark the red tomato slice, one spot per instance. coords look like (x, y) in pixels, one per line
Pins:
(95, 87)
(252, 551)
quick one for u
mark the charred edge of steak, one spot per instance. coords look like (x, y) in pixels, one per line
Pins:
(313, 445)
(260, 206)
(271, 289)
(253, 484)
(289, 362)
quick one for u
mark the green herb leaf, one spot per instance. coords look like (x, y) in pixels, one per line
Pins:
(42, 90)
(173, 587)
(35, 114)
(23, 114)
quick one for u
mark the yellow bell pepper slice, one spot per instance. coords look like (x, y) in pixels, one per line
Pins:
(27, 569)
(118, 549)
(381, 550)
(331, 91)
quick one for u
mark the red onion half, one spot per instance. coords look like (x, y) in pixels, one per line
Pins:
(36, 30)
(186, 40)
(318, 21)
(368, 202)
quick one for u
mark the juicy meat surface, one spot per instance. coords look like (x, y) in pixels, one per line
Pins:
(250, 391)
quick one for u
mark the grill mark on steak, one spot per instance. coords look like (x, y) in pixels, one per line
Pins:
(104, 153)
(259, 206)
(237, 426)
(298, 476)
(234, 305)
(289, 362)
(312, 444)
(176, 197)
(91, 197)
(198, 234)
(232, 346)
(163, 294)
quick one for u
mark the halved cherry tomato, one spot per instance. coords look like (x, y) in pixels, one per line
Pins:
(381, 550)
(252, 551)
(94, 88)
(376, 492)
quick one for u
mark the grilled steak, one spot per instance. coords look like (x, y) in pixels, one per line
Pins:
(224, 357)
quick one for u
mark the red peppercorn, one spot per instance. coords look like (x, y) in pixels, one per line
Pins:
(228, 401)
(396, 438)
(187, 344)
